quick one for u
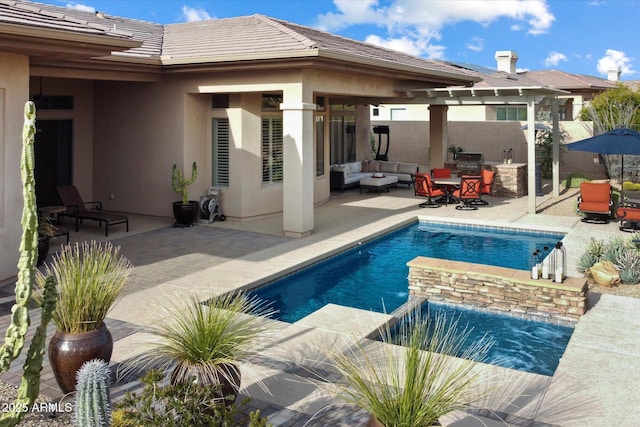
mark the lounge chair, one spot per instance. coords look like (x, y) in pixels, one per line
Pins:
(595, 202)
(629, 217)
(469, 192)
(424, 188)
(76, 208)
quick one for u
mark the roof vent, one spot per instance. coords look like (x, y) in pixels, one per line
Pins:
(506, 60)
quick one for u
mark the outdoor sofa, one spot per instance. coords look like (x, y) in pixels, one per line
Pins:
(348, 175)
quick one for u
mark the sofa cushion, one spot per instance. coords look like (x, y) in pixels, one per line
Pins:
(407, 168)
(376, 166)
(368, 166)
(355, 167)
(404, 177)
(356, 177)
(391, 167)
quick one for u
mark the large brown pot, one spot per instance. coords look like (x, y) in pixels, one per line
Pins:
(186, 215)
(373, 422)
(67, 353)
(43, 249)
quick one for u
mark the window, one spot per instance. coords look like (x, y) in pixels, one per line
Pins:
(319, 145)
(343, 139)
(398, 114)
(272, 155)
(376, 112)
(220, 153)
(511, 113)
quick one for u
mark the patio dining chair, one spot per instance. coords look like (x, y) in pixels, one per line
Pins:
(469, 193)
(423, 187)
(488, 177)
(77, 209)
(595, 202)
(441, 172)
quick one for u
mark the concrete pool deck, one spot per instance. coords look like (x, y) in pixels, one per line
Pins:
(596, 383)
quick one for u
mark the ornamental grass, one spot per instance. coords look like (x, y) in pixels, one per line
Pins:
(411, 379)
(203, 340)
(90, 277)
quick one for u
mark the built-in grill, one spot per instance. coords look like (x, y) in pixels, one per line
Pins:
(469, 163)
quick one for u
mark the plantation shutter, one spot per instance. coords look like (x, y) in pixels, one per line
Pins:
(220, 153)
(272, 149)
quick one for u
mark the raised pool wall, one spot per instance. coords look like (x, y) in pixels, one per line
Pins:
(499, 288)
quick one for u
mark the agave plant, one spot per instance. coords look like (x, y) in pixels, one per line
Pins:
(205, 340)
(629, 266)
(593, 253)
(614, 250)
(412, 380)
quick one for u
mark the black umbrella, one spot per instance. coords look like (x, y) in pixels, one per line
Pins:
(619, 141)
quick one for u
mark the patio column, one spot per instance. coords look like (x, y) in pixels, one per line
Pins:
(298, 179)
(438, 135)
(556, 147)
(531, 155)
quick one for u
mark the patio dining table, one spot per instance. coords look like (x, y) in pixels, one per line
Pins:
(448, 186)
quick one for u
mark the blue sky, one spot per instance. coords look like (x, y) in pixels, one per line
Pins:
(576, 36)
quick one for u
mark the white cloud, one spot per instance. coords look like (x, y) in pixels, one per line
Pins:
(554, 58)
(192, 14)
(476, 44)
(613, 60)
(81, 7)
(412, 24)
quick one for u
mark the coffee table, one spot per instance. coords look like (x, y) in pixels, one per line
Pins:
(378, 184)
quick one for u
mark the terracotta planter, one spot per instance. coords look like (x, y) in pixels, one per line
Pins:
(67, 353)
(186, 214)
(373, 422)
(229, 382)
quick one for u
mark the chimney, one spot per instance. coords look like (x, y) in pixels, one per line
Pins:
(613, 75)
(506, 60)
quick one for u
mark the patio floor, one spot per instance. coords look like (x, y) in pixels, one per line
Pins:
(596, 383)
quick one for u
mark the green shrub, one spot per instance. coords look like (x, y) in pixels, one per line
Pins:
(574, 180)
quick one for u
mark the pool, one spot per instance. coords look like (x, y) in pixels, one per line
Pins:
(373, 275)
(521, 344)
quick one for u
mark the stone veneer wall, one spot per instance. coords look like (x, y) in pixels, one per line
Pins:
(498, 288)
(510, 179)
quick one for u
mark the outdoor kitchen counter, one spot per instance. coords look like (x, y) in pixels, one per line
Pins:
(510, 179)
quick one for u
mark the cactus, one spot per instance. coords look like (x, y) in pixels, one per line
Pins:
(93, 404)
(17, 330)
(180, 184)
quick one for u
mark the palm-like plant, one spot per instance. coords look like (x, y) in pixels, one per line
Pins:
(412, 380)
(206, 340)
(90, 278)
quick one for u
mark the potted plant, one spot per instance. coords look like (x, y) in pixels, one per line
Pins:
(409, 378)
(90, 277)
(185, 211)
(455, 151)
(45, 233)
(205, 341)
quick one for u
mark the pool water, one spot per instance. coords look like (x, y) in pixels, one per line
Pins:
(521, 344)
(373, 275)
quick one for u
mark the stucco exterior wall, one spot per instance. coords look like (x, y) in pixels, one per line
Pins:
(14, 92)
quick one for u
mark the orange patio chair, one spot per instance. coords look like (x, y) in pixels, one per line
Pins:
(469, 192)
(441, 172)
(629, 217)
(595, 202)
(423, 187)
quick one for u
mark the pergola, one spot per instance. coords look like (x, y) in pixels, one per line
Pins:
(503, 95)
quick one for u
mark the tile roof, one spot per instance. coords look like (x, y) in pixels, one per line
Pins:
(45, 16)
(563, 80)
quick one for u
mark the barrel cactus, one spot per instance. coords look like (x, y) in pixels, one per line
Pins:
(93, 402)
